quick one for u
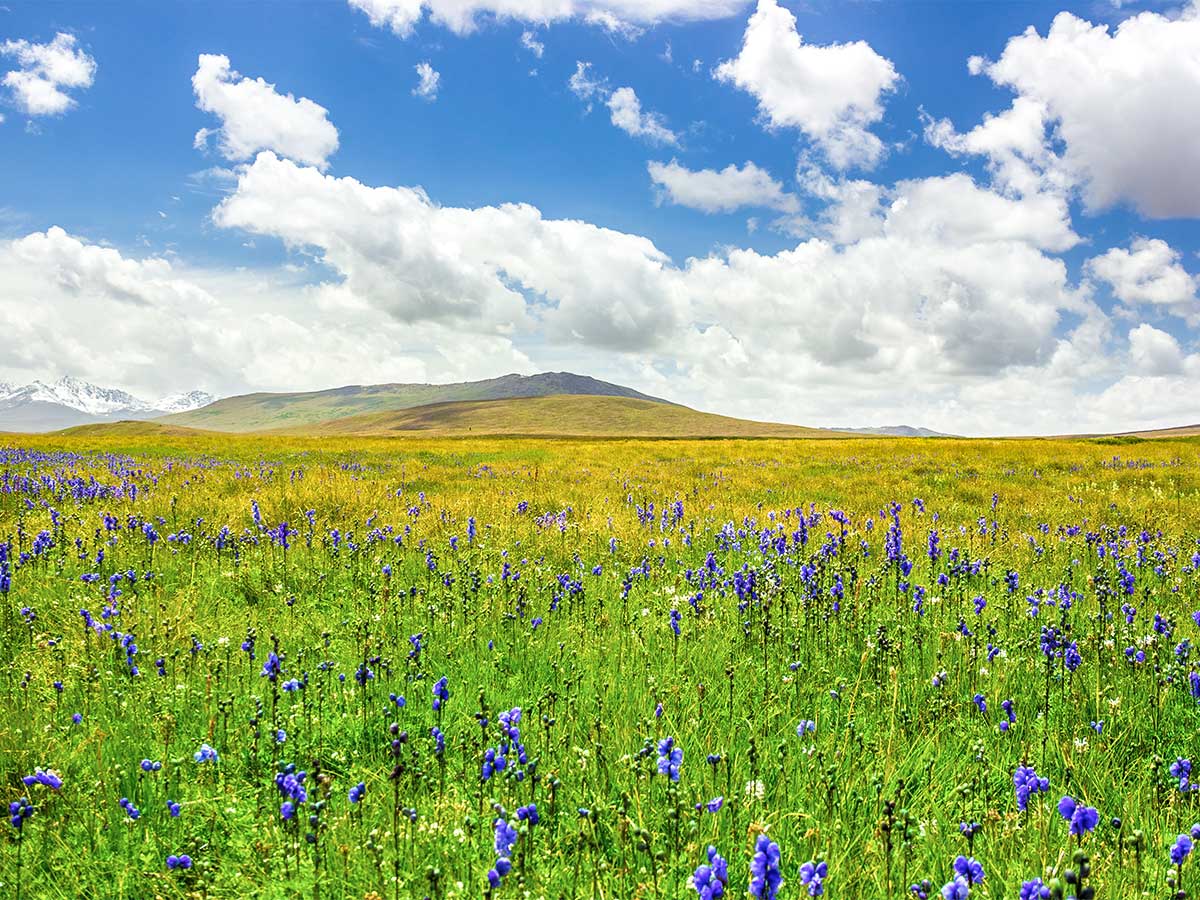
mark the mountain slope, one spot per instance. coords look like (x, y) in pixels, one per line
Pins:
(70, 401)
(557, 416)
(259, 412)
(1179, 431)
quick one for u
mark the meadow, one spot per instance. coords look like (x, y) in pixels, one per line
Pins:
(354, 668)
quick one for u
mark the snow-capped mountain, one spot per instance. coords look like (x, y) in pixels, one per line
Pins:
(80, 395)
(185, 401)
(38, 406)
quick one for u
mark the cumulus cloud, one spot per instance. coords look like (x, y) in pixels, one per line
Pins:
(1014, 144)
(832, 93)
(480, 270)
(948, 209)
(429, 80)
(902, 307)
(224, 331)
(712, 191)
(956, 269)
(254, 117)
(1149, 272)
(628, 115)
(953, 210)
(1155, 352)
(464, 16)
(1114, 114)
(45, 73)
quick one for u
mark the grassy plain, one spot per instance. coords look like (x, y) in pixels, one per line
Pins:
(543, 574)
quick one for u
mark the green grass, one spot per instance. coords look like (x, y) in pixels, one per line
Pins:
(736, 682)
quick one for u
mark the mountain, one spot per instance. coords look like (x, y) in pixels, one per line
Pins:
(77, 395)
(896, 431)
(184, 402)
(261, 412)
(70, 401)
(557, 415)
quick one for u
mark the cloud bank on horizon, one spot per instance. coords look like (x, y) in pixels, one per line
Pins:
(1025, 270)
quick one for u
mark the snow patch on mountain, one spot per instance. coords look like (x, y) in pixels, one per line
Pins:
(184, 401)
(87, 398)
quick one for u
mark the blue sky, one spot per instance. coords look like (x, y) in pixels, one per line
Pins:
(189, 267)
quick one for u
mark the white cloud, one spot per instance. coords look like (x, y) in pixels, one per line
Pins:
(947, 209)
(532, 44)
(832, 93)
(464, 16)
(480, 270)
(1014, 143)
(46, 72)
(1148, 272)
(430, 81)
(853, 211)
(952, 210)
(585, 85)
(726, 190)
(623, 104)
(905, 308)
(1155, 352)
(225, 331)
(254, 116)
(1114, 113)
(628, 115)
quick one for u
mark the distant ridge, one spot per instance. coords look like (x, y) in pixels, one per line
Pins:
(896, 431)
(1179, 431)
(68, 402)
(264, 412)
